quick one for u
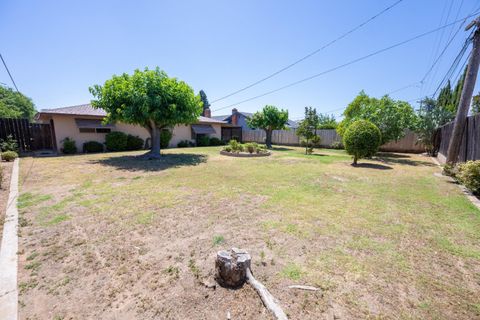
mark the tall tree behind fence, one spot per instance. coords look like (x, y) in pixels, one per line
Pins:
(29, 136)
(328, 138)
(470, 145)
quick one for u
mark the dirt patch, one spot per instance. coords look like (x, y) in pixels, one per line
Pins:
(6, 168)
(103, 239)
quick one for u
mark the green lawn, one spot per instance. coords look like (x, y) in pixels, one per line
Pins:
(114, 235)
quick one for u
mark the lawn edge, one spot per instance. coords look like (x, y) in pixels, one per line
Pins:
(8, 252)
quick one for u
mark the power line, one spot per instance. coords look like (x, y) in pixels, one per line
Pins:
(437, 47)
(8, 71)
(346, 64)
(422, 82)
(455, 64)
(310, 54)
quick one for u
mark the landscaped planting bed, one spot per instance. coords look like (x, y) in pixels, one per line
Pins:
(108, 236)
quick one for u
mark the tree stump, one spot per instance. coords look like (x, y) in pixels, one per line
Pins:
(231, 267)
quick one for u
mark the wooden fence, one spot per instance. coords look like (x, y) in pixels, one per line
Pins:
(470, 145)
(29, 136)
(329, 138)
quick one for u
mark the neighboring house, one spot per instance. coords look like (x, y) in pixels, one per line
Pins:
(239, 118)
(83, 123)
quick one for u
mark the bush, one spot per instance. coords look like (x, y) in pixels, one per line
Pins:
(9, 155)
(134, 142)
(469, 175)
(8, 144)
(450, 170)
(262, 148)
(203, 141)
(227, 148)
(235, 146)
(183, 144)
(69, 146)
(116, 141)
(337, 145)
(362, 139)
(92, 147)
(214, 141)
(165, 137)
(250, 147)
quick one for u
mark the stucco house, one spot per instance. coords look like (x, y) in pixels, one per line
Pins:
(239, 118)
(83, 123)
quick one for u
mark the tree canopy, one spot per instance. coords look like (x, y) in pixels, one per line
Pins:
(14, 104)
(392, 117)
(362, 139)
(269, 118)
(431, 116)
(326, 121)
(203, 97)
(150, 99)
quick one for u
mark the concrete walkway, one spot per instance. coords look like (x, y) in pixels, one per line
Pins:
(8, 253)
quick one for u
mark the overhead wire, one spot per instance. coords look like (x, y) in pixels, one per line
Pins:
(347, 63)
(310, 54)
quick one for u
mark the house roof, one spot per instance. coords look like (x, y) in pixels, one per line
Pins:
(290, 123)
(81, 109)
(228, 116)
(88, 110)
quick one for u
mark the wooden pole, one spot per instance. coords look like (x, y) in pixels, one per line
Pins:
(466, 97)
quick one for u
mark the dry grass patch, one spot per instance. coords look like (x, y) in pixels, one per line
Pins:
(137, 238)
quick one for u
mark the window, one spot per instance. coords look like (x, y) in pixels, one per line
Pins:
(87, 130)
(103, 130)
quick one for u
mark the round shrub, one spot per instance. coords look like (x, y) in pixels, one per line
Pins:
(362, 139)
(9, 155)
(134, 142)
(116, 141)
(92, 147)
(165, 137)
(469, 175)
(69, 146)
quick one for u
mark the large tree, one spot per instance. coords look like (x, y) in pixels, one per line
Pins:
(269, 119)
(150, 99)
(203, 97)
(430, 116)
(14, 104)
(392, 117)
(326, 121)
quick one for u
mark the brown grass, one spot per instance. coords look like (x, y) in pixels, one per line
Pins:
(111, 236)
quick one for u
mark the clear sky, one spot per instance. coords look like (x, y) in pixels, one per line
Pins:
(57, 49)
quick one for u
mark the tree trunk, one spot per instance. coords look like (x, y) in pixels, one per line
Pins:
(355, 160)
(154, 152)
(268, 140)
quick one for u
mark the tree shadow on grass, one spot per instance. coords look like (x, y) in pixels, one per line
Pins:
(371, 166)
(281, 149)
(140, 163)
(386, 158)
(392, 155)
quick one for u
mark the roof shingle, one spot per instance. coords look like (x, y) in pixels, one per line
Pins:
(88, 110)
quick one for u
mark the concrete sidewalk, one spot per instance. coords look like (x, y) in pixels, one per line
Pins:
(8, 253)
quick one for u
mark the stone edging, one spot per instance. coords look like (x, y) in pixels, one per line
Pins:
(8, 253)
(473, 199)
(244, 155)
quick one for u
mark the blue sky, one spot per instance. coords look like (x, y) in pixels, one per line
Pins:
(57, 49)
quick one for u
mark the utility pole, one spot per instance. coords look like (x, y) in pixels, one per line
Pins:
(466, 97)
